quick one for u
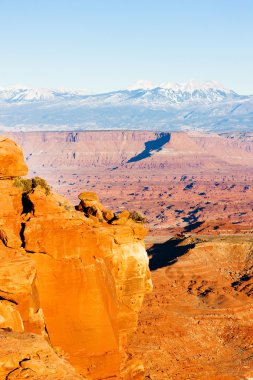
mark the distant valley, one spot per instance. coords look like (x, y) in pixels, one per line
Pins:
(181, 182)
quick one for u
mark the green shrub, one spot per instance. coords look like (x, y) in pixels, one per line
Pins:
(28, 185)
(37, 181)
(24, 184)
(137, 217)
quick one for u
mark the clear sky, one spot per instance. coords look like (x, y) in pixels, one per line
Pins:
(102, 45)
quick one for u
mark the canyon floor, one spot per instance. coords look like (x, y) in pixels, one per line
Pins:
(196, 192)
(197, 322)
(178, 181)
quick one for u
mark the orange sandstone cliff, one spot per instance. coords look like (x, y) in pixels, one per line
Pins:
(72, 281)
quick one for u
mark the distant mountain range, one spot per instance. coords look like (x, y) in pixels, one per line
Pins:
(206, 107)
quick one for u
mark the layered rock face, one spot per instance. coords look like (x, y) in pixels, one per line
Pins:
(76, 276)
(178, 180)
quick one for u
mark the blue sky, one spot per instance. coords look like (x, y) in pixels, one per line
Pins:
(102, 45)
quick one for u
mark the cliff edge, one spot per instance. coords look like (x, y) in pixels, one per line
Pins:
(72, 281)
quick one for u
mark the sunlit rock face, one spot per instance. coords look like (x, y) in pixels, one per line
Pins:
(11, 165)
(20, 309)
(11, 159)
(97, 274)
(29, 356)
(74, 276)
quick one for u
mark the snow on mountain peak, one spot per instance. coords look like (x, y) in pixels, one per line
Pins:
(143, 92)
(190, 86)
(22, 93)
(25, 94)
(34, 94)
(195, 86)
(192, 106)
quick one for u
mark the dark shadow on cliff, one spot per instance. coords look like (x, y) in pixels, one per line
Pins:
(165, 254)
(151, 147)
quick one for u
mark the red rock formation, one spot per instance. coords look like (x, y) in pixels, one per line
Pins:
(192, 178)
(82, 277)
(29, 356)
(11, 159)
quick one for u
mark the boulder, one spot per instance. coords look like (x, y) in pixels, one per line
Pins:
(88, 196)
(121, 218)
(11, 159)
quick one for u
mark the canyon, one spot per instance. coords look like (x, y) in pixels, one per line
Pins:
(180, 182)
(76, 285)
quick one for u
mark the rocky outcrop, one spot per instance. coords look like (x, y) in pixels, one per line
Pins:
(29, 356)
(11, 159)
(68, 274)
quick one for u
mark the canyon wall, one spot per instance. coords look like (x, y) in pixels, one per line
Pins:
(107, 149)
(179, 181)
(72, 281)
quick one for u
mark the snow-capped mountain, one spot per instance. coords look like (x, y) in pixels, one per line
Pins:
(13, 95)
(208, 106)
(188, 92)
(165, 94)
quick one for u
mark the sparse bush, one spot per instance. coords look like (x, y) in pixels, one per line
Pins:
(137, 217)
(28, 185)
(24, 184)
(37, 181)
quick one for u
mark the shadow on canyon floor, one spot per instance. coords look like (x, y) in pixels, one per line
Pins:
(165, 254)
(191, 226)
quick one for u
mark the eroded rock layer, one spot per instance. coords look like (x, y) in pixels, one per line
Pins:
(76, 276)
(179, 181)
(197, 323)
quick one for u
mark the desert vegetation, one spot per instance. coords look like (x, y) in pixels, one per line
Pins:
(28, 185)
(137, 217)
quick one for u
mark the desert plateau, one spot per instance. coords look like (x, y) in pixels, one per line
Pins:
(180, 182)
(86, 303)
